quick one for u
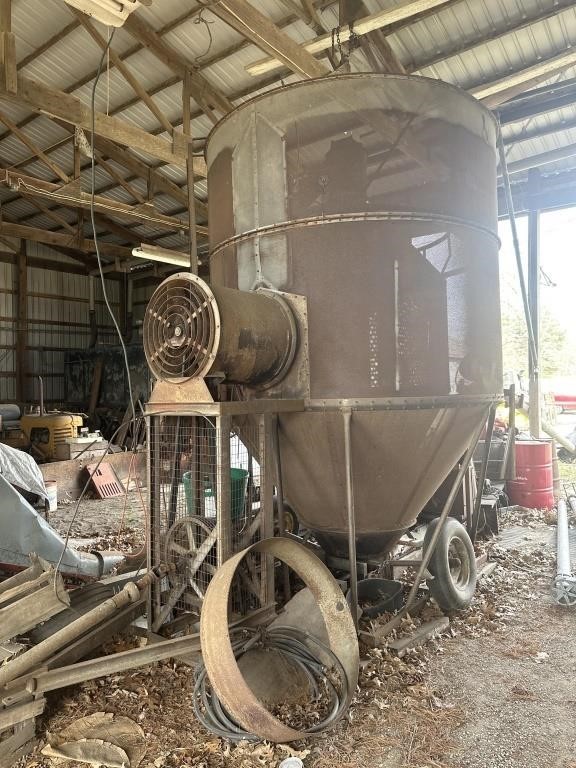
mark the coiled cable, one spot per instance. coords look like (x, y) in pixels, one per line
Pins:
(303, 650)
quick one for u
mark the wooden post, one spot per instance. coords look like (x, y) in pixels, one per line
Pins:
(21, 323)
(7, 48)
(187, 130)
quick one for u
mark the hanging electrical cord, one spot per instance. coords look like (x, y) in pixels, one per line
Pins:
(304, 652)
(93, 220)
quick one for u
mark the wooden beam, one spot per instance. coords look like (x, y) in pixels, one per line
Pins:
(51, 214)
(379, 20)
(207, 96)
(251, 23)
(54, 238)
(42, 99)
(71, 196)
(120, 180)
(64, 32)
(8, 72)
(34, 148)
(134, 83)
(498, 91)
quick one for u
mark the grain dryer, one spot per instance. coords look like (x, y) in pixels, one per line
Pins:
(353, 270)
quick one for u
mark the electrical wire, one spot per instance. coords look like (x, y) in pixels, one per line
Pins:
(303, 651)
(93, 221)
(134, 420)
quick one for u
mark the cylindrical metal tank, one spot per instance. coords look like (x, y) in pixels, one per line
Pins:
(534, 484)
(374, 197)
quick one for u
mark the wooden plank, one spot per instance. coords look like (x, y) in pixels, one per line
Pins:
(498, 91)
(379, 20)
(24, 614)
(120, 180)
(8, 61)
(15, 746)
(66, 241)
(19, 588)
(34, 148)
(207, 96)
(44, 100)
(251, 23)
(136, 86)
(21, 712)
(424, 632)
(72, 196)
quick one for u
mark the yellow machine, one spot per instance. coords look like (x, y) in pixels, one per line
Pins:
(45, 431)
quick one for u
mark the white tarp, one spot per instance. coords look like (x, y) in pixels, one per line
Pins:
(20, 469)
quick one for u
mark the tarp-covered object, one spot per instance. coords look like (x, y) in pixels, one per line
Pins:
(20, 469)
(23, 530)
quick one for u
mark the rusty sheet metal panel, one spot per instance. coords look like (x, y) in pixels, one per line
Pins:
(384, 219)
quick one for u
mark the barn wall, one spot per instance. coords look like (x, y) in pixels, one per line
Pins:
(58, 321)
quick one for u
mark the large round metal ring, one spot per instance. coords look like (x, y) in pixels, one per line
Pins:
(223, 672)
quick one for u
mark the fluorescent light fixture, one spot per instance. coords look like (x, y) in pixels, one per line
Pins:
(163, 255)
(113, 13)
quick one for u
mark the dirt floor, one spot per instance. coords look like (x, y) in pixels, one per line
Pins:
(496, 690)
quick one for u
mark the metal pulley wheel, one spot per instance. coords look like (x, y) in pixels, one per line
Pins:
(191, 548)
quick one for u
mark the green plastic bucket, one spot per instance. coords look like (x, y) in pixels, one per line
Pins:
(238, 487)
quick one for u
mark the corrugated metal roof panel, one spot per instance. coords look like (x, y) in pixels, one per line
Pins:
(204, 36)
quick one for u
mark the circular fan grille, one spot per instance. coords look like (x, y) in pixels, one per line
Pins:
(181, 328)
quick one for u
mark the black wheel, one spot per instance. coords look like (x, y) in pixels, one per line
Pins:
(453, 565)
(290, 522)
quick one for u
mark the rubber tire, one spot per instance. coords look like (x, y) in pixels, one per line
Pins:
(449, 595)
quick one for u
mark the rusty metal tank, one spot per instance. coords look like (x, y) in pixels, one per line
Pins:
(374, 198)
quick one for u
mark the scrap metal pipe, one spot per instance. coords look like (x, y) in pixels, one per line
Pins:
(564, 590)
(192, 329)
(39, 653)
(564, 442)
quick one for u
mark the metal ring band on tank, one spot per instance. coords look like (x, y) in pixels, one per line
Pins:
(218, 655)
(345, 218)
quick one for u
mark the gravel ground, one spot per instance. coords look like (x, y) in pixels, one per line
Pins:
(496, 691)
(517, 687)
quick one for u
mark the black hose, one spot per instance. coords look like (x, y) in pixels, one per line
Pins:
(302, 650)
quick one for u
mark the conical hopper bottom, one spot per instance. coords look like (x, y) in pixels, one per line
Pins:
(399, 459)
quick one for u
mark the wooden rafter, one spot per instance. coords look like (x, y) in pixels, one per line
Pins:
(33, 147)
(42, 99)
(322, 43)
(71, 196)
(65, 241)
(60, 220)
(132, 81)
(247, 20)
(207, 96)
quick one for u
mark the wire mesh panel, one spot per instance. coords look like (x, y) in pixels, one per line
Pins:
(209, 498)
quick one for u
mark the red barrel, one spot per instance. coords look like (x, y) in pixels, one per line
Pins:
(534, 484)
